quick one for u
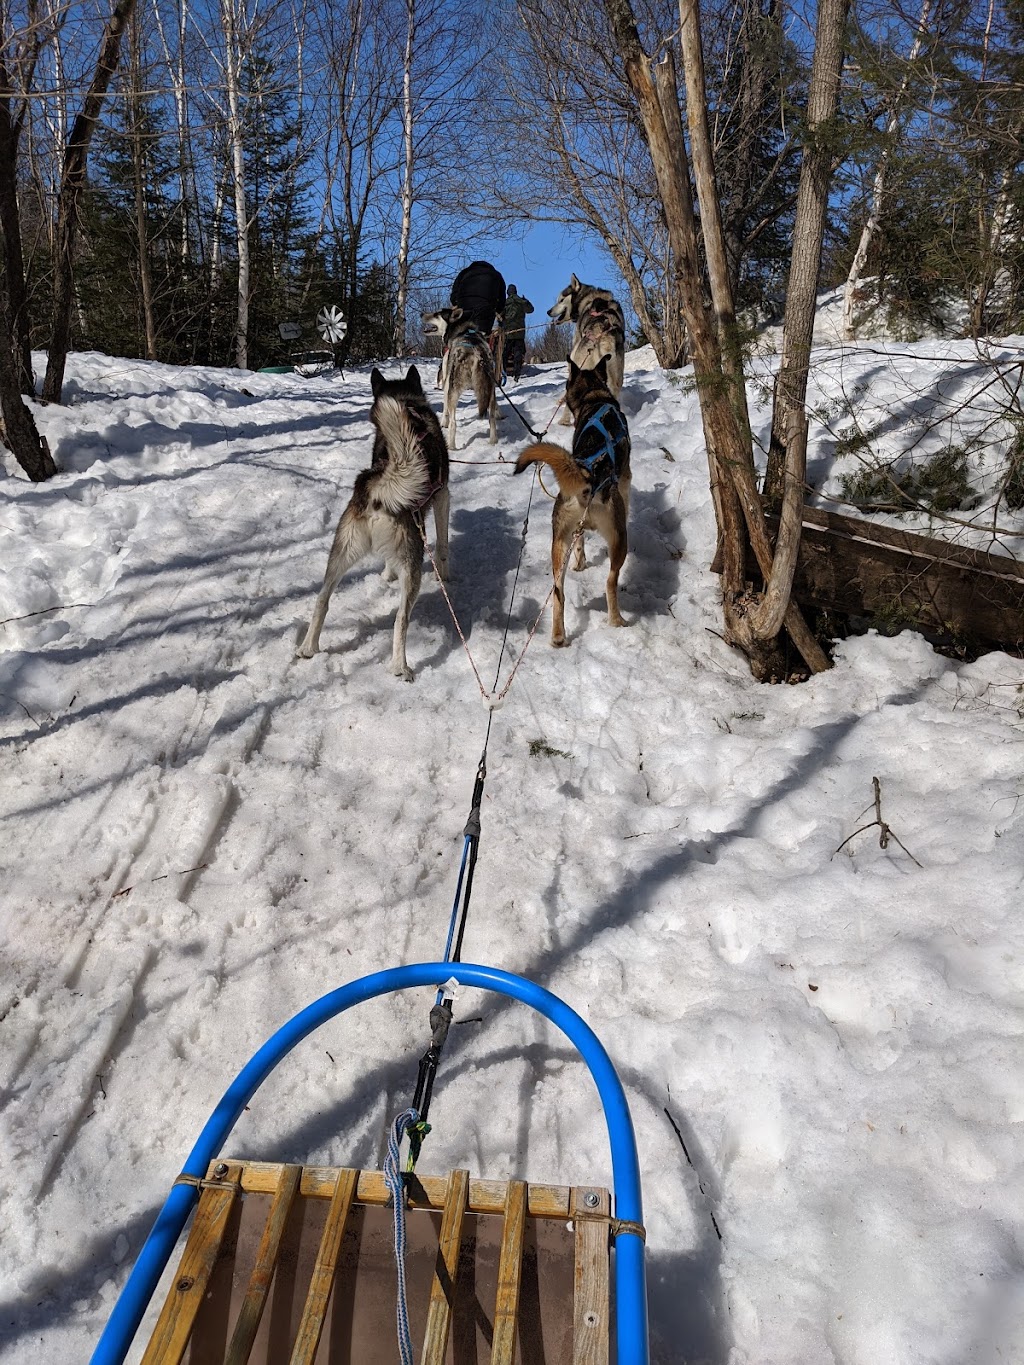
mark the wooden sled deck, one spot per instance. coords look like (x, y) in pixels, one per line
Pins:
(295, 1265)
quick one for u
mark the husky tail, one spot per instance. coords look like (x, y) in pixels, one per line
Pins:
(571, 478)
(405, 481)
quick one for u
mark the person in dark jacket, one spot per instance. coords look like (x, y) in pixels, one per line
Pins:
(516, 309)
(480, 291)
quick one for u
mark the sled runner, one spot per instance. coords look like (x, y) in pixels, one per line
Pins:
(310, 1265)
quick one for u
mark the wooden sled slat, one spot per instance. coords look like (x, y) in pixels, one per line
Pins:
(510, 1271)
(591, 1297)
(289, 1264)
(442, 1291)
(323, 1272)
(174, 1326)
(266, 1259)
(429, 1191)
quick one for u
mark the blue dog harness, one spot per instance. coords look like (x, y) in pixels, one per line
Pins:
(608, 449)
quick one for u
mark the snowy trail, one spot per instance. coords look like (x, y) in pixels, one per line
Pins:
(201, 834)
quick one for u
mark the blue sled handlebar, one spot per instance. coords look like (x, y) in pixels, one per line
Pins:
(630, 1274)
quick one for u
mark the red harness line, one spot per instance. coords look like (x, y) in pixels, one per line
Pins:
(494, 699)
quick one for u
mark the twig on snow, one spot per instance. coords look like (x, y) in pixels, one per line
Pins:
(63, 606)
(162, 878)
(700, 1183)
(884, 831)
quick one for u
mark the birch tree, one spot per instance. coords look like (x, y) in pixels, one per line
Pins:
(433, 111)
(408, 161)
(895, 114)
(235, 31)
(175, 62)
(139, 183)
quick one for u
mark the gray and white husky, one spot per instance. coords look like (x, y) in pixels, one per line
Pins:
(387, 511)
(600, 330)
(467, 364)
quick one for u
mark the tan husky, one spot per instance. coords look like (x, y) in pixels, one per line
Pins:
(593, 484)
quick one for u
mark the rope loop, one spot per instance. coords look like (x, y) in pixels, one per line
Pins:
(408, 1118)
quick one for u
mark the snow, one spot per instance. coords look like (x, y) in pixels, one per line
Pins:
(202, 834)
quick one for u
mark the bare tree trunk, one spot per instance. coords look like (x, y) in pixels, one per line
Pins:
(10, 226)
(870, 228)
(808, 235)
(11, 125)
(19, 428)
(235, 139)
(139, 160)
(186, 175)
(729, 447)
(76, 158)
(407, 185)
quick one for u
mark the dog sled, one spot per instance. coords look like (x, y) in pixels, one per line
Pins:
(312, 1265)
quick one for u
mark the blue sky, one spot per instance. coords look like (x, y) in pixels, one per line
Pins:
(540, 262)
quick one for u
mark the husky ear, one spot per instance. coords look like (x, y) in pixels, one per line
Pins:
(454, 314)
(574, 281)
(574, 369)
(377, 382)
(413, 379)
(601, 368)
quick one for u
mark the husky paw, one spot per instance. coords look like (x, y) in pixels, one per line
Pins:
(558, 642)
(305, 651)
(403, 671)
(579, 564)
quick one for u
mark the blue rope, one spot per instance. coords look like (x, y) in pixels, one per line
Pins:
(393, 1180)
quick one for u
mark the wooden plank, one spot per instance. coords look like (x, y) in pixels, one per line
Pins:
(865, 569)
(933, 593)
(428, 1191)
(932, 548)
(322, 1281)
(442, 1291)
(178, 1315)
(510, 1273)
(255, 1299)
(590, 1313)
(914, 543)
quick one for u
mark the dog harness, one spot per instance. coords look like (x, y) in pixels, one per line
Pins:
(471, 341)
(599, 320)
(607, 414)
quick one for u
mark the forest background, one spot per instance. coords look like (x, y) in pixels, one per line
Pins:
(239, 165)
